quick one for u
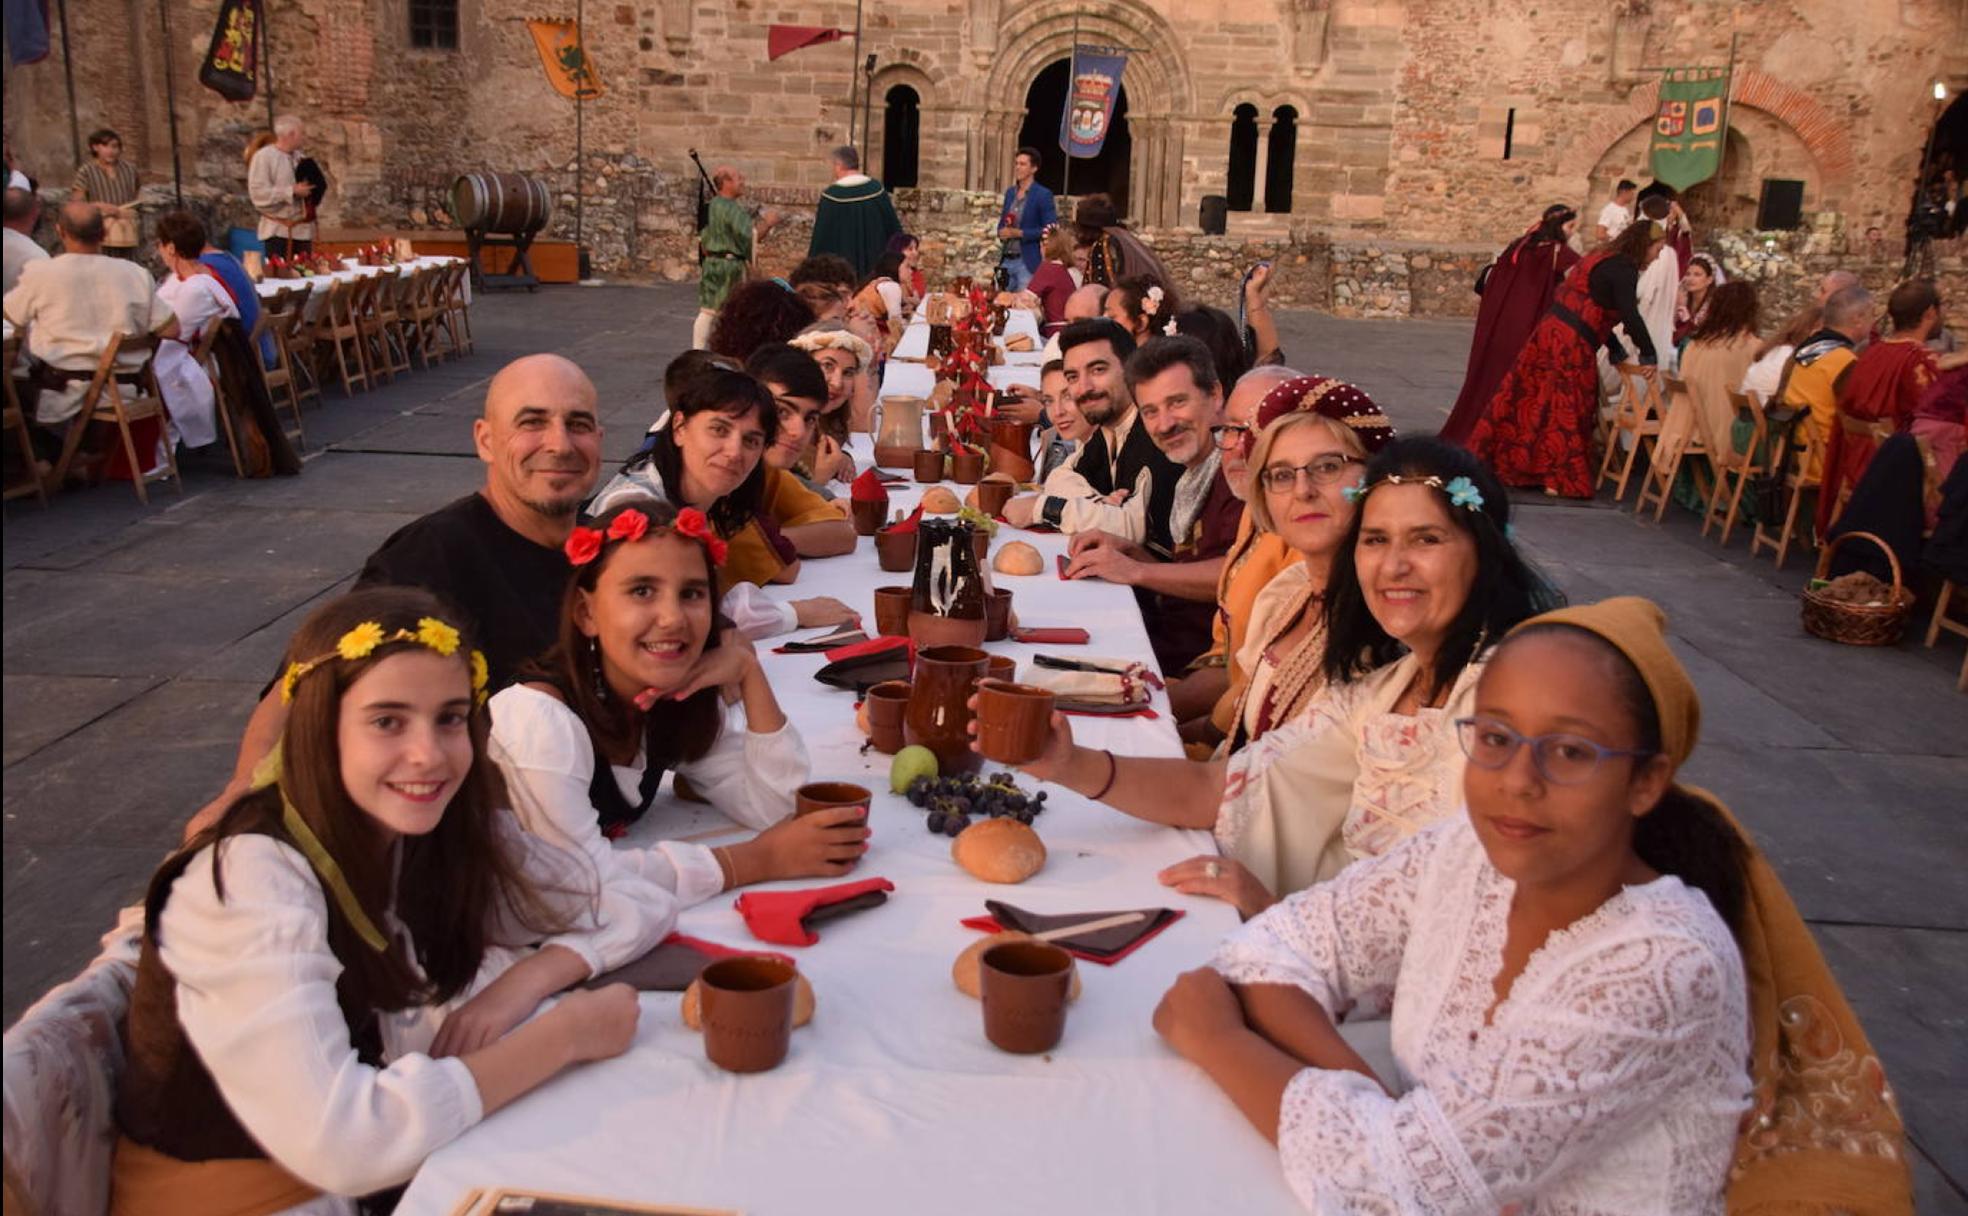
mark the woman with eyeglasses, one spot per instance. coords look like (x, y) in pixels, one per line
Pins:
(1425, 582)
(1573, 1027)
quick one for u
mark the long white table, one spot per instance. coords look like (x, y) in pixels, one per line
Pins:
(914, 343)
(892, 1100)
(267, 288)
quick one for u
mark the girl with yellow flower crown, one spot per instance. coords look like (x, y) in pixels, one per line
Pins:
(646, 679)
(334, 973)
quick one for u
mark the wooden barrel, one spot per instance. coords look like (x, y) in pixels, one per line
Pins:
(501, 202)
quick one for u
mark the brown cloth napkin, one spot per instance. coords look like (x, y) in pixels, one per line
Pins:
(1101, 946)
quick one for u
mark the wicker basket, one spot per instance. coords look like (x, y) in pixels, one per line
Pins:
(1858, 624)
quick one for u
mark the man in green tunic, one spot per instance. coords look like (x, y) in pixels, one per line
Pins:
(726, 246)
(855, 217)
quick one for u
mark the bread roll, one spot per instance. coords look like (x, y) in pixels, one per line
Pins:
(938, 500)
(1017, 557)
(999, 850)
(693, 997)
(968, 971)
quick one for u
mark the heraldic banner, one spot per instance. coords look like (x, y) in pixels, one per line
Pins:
(1687, 139)
(1090, 101)
(232, 63)
(565, 57)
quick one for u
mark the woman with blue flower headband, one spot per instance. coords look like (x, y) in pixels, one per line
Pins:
(1425, 583)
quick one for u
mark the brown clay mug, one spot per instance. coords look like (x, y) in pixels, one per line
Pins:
(929, 465)
(887, 704)
(997, 615)
(828, 795)
(1012, 721)
(748, 1012)
(993, 495)
(980, 545)
(966, 468)
(869, 515)
(1002, 667)
(1024, 985)
(892, 612)
(895, 551)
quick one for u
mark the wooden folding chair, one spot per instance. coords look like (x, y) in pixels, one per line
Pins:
(1806, 472)
(337, 328)
(422, 314)
(1637, 414)
(1856, 428)
(202, 355)
(457, 308)
(1678, 438)
(105, 402)
(381, 324)
(295, 341)
(1742, 466)
(15, 422)
(276, 317)
(1942, 621)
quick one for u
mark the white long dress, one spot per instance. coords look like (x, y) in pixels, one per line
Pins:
(255, 983)
(543, 749)
(200, 301)
(1608, 1083)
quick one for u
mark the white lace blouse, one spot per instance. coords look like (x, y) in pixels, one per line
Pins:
(548, 760)
(1610, 1081)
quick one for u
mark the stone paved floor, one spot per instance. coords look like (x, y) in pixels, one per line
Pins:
(137, 638)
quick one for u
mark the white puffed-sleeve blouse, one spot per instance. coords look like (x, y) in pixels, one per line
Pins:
(544, 750)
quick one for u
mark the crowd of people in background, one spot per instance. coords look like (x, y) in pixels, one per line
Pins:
(1442, 798)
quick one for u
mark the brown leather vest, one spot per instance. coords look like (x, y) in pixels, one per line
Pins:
(166, 1098)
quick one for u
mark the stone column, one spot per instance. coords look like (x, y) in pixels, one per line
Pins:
(1262, 163)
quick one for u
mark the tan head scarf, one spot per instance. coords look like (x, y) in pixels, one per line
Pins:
(1823, 1133)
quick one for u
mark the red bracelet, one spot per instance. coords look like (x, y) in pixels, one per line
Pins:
(1113, 771)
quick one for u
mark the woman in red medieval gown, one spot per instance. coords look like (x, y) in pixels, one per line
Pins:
(1537, 431)
(1516, 290)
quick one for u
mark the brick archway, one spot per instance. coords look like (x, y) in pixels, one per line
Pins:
(1823, 134)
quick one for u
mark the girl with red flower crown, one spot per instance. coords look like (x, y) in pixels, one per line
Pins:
(648, 678)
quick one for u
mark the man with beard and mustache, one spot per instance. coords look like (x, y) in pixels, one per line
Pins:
(1175, 568)
(1128, 483)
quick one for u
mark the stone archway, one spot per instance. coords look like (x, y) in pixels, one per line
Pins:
(1159, 95)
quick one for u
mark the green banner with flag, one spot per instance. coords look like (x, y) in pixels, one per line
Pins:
(1687, 140)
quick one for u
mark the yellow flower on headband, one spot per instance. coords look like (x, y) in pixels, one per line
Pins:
(290, 678)
(481, 675)
(437, 635)
(360, 641)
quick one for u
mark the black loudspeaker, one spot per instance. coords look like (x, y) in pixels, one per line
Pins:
(1215, 216)
(1782, 205)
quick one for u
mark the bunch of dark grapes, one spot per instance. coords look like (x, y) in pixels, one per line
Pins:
(954, 802)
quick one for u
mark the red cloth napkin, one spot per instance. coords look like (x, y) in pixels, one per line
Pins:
(872, 646)
(720, 950)
(1143, 712)
(782, 916)
(909, 524)
(868, 488)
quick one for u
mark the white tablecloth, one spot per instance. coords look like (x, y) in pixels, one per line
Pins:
(914, 343)
(269, 287)
(892, 1101)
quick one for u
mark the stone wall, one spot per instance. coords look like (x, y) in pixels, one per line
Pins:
(1402, 112)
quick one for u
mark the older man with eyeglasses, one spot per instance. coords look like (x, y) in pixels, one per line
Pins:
(1175, 569)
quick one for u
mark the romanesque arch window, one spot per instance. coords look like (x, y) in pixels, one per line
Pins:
(1241, 188)
(434, 24)
(901, 135)
(1279, 154)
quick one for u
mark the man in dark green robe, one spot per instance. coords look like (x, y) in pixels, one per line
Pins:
(855, 217)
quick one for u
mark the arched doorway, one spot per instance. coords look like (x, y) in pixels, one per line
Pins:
(1945, 163)
(1045, 102)
(901, 133)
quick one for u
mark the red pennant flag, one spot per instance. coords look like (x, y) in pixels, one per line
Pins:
(785, 39)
